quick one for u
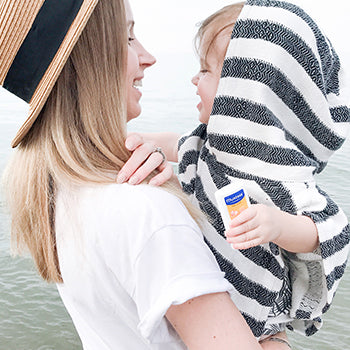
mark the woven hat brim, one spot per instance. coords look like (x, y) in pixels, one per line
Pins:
(51, 75)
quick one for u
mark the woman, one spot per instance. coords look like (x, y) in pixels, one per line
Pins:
(129, 262)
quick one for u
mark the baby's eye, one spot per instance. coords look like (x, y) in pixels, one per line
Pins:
(203, 71)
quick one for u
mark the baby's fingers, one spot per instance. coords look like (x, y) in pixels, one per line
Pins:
(241, 228)
(246, 215)
(245, 240)
(246, 245)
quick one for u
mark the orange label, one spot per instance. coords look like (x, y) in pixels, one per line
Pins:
(236, 203)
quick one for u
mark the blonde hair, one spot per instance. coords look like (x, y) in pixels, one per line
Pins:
(219, 22)
(78, 137)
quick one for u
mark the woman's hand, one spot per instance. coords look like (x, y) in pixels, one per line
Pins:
(144, 159)
(255, 225)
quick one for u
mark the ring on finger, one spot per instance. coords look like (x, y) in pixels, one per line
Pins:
(159, 150)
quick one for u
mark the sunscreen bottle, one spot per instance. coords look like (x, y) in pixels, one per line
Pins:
(232, 200)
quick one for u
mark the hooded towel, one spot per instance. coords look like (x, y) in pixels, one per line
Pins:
(280, 112)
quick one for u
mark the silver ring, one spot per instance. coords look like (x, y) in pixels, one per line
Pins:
(159, 150)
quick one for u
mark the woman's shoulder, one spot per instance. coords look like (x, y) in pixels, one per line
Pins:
(115, 191)
(155, 202)
(126, 201)
(134, 195)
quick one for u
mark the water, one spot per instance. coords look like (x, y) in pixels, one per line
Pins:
(32, 316)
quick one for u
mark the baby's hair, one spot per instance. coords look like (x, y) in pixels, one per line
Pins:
(216, 23)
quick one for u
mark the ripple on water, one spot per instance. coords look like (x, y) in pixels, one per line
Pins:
(31, 313)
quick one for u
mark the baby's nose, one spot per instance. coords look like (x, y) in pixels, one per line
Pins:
(195, 79)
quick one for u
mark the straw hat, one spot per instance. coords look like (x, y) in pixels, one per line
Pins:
(36, 38)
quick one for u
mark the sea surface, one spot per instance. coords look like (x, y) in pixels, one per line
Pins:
(32, 316)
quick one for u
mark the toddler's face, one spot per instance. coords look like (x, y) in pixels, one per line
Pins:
(207, 79)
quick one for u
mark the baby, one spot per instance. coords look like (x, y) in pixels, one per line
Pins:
(275, 112)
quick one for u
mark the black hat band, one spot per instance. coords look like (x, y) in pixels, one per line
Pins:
(40, 46)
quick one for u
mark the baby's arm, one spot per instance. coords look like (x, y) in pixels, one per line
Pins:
(144, 160)
(262, 224)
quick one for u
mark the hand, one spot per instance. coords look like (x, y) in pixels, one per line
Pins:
(255, 225)
(143, 161)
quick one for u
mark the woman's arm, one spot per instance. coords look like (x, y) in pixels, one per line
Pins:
(260, 224)
(144, 160)
(211, 321)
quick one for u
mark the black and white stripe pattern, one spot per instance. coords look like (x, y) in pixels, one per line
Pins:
(279, 114)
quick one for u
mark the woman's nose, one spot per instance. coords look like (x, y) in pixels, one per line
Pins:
(145, 58)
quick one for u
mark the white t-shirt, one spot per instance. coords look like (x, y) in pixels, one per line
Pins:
(126, 254)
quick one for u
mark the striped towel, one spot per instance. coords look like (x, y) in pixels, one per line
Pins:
(280, 112)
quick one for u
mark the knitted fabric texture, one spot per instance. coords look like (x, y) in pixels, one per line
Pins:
(280, 112)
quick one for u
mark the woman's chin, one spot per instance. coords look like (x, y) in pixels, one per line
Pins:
(134, 113)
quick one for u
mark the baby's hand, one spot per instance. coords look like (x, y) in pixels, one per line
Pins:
(256, 225)
(143, 161)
